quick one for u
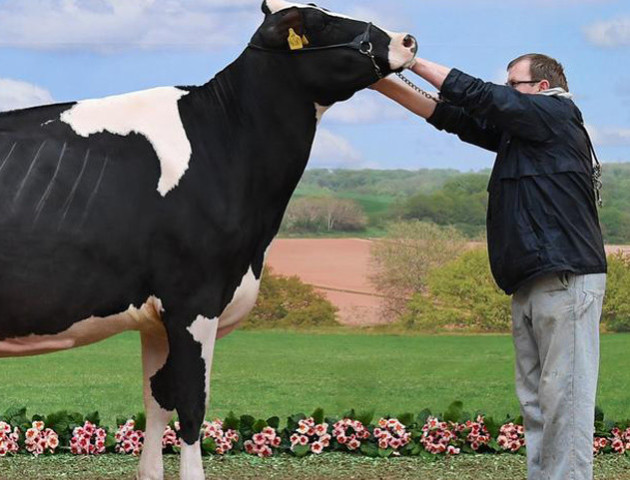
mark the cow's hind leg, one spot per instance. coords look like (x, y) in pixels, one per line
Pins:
(154, 354)
(183, 384)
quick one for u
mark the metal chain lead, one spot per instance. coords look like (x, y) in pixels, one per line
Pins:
(416, 88)
(366, 49)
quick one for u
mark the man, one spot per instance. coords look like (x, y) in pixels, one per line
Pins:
(544, 242)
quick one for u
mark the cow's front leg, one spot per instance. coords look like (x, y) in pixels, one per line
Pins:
(154, 354)
(183, 383)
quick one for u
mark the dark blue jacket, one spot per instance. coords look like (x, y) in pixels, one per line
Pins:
(542, 215)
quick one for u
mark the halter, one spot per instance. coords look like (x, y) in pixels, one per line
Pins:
(361, 43)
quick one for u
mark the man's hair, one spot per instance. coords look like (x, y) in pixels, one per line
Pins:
(543, 67)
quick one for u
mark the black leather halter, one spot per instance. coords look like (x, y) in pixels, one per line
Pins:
(361, 43)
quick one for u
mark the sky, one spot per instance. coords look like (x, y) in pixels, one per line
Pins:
(65, 50)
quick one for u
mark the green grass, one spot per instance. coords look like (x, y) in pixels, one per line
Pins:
(279, 373)
(284, 467)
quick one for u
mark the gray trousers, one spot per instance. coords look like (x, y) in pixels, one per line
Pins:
(555, 320)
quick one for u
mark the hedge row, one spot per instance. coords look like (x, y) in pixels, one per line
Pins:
(452, 433)
(462, 296)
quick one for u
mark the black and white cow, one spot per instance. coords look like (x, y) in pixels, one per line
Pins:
(167, 199)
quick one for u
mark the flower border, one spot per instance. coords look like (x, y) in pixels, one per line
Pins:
(454, 432)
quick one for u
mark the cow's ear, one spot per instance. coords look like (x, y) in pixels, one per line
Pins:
(275, 31)
(265, 8)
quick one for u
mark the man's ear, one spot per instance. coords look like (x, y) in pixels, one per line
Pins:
(544, 85)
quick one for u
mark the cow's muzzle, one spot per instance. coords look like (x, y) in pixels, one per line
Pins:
(410, 42)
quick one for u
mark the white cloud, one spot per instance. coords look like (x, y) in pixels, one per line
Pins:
(112, 25)
(610, 33)
(333, 151)
(609, 136)
(365, 107)
(17, 94)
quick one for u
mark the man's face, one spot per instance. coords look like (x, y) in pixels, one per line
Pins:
(520, 78)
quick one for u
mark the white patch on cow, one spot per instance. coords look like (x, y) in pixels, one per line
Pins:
(152, 113)
(191, 467)
(319, 111)
(242, 301)
(204, 331)
(277, 5)
(399, 56)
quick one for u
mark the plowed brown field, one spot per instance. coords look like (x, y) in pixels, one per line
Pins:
(340, 269)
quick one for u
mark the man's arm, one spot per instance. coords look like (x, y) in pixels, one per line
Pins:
(433, 73)
(406, 96)
(441, 116)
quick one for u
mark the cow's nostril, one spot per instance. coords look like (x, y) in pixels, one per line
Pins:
(409, 41)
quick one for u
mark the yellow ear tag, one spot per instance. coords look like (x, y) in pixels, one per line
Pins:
(295, 42)
(305, 40)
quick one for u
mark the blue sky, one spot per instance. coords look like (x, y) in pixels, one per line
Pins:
(60, 50)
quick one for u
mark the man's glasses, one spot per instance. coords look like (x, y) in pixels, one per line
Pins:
(514, 83)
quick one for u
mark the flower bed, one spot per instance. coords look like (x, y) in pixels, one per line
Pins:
(453, 433)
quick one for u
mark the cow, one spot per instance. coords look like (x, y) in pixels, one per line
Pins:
(152, 211)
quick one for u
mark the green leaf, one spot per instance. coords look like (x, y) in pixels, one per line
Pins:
(365, 417)
(259, 425)
(369, 449)
(599, 414)
(318, 415)
(301, 450)
(494, 445)
(274, 422)
(208, 445)
(385, 452)
(454, 412)
(423, 416)
(292, 421)
(93, 418)
(406, 419)
(76, 419)
(16, 416)
(350, 414)
(141, 421)
(120, 421)
(231, 422)
(110, 442)
(247, 421)
(493, 426)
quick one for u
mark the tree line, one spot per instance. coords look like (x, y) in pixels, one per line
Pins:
(359, 201)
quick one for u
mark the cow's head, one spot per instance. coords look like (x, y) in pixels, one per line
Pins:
(333, 55)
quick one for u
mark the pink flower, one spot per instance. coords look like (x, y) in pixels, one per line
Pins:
(353, 444)
(259, 439)
(317, 447)
(451, 450)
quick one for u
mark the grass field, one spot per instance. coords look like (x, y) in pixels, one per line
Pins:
(330, 466)
(279, 373)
